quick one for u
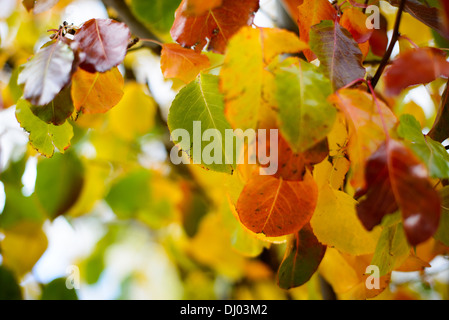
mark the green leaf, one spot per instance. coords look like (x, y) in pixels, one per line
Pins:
(432, 153)
(158, 14)
(305, 114)
(59, 182)
(9, 288)
(442, 233)
(391, 250)
(43, 137)
(19, 208)
(339, 54)
(58, 110)
(130, 194)
(301, 259)
(201, 101)
(57, 290)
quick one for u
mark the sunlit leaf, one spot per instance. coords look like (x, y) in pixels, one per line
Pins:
(43, 137)
(47, 73)
(335, 223)
(276, 207)
(201, 101)
(181, 63)
(96, 92)
(159, 14)
(217, 25)
(305, 114)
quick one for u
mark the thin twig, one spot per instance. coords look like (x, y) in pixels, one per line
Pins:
(394, 39)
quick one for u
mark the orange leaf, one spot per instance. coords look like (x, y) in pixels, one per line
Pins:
(217, 25)
(200, 7)
(96, 92)
(182, 63)
(312, 12)
(277, 207)
(354, 21)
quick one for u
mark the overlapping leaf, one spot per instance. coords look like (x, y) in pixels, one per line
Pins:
(395, 178)
(201, 101)
(276, 207)
(58, 110)
(302, 258)
(96, 92)
(339, 54)
(311, 13)
(181, 63)
(432, 153)
(44, 137)
(102, 44)
(217, 25)
(47, 73)
(428, 65)
(251, 50)
(158, 14)
(365, 127)
(305, 114)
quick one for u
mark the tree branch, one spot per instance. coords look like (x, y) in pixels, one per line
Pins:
(394, 39)
(137, 28)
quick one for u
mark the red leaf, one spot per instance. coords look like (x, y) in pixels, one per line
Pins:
(102, 44)
(302, 259)
(277, 207)
(354, 21)
(217, 25)
(379, 38)
(414, 67)
(395, 179)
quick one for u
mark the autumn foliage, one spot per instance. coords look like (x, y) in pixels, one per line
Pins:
(358, 181)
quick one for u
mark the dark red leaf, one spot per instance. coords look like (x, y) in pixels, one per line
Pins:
(101, 44)
(302, 258)
(419, 66)
(395, 179)
(440, 129)
(217, 25)
(379, 39)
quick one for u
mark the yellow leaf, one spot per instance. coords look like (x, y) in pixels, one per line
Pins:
(251, 50)
(335, 223)
(135, 113)
(23, 246)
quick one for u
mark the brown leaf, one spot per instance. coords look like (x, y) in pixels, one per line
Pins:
(419, 66)
(379, 39)
(182, 63)
(102, 44)
(217, 25)
(277, 207)
(395, 179)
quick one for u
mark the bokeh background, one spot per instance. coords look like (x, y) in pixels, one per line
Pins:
(133, 225)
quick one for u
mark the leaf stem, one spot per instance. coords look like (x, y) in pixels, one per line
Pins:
(379, 109)
(394, 39)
